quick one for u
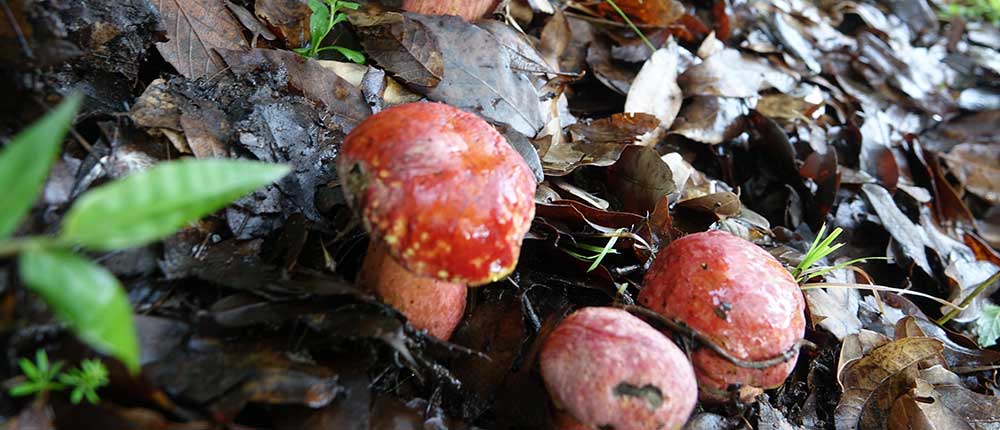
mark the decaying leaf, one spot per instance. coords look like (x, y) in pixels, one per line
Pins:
(731, 73)
(873, 382)
(195, 29)
(978, 167)
(653, 13)
(289, 17)
(711, 120)
(654, 90)
(595, 143)
(641, 178)
(403, 46)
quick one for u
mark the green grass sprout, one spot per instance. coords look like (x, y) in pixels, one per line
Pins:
(599, 252)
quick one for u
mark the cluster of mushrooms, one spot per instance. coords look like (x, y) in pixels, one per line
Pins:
(447, 202)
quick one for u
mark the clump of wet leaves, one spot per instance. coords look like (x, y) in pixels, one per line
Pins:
(764, 119)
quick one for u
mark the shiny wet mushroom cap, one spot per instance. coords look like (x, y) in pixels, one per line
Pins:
(738, 295)
(442, 189)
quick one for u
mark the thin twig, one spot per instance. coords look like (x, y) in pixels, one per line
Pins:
(708, 342)
(12, 20)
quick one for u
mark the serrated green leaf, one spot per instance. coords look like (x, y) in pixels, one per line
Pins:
(150, 205)
(86, 297)
(988, 326)
(25, 162)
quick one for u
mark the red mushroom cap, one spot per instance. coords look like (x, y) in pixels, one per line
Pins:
(445, 192)
(470, 10)
(736, 293)
(609, 369)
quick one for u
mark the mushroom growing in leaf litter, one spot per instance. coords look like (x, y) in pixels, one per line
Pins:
(741, 298)
(470, 10)
(441, 190)
(606, 368)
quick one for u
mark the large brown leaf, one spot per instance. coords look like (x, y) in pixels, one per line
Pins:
(196, 28)
(872, 383)
(403, 46)
(731, 73)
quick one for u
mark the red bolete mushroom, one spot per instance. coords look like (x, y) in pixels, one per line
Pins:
(444, 195)
(470, 10)
(605, 368)
(737, 295)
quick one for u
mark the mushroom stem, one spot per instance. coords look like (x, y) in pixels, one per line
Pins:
(430, 304)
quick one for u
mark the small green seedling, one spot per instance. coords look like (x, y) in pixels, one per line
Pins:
(976, 10)
(325, 15)
(134, 211)
(599, 252)
(85, 381)
(42, 376)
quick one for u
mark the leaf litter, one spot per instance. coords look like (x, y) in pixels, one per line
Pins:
(765, 119)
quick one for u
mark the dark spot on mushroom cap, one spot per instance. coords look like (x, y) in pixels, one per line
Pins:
(722, 310)
(650, 393)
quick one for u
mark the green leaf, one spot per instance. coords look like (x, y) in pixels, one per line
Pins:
(150, 205)
(86, 297)
(604, 252)
(351, 54)
(28, 369)
(988, 326)
(26, 161)
(24, 389)
(319, 21)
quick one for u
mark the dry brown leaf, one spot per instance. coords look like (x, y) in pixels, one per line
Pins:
(640, 179)
(403, 46)
(596, 143)
(872, 383)
(711, 120)
(289, 17)
(731, 73)
(977, 165)
(835, 309)
(653, 13)
(196, 28)
(919, 409)
(654, 90)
